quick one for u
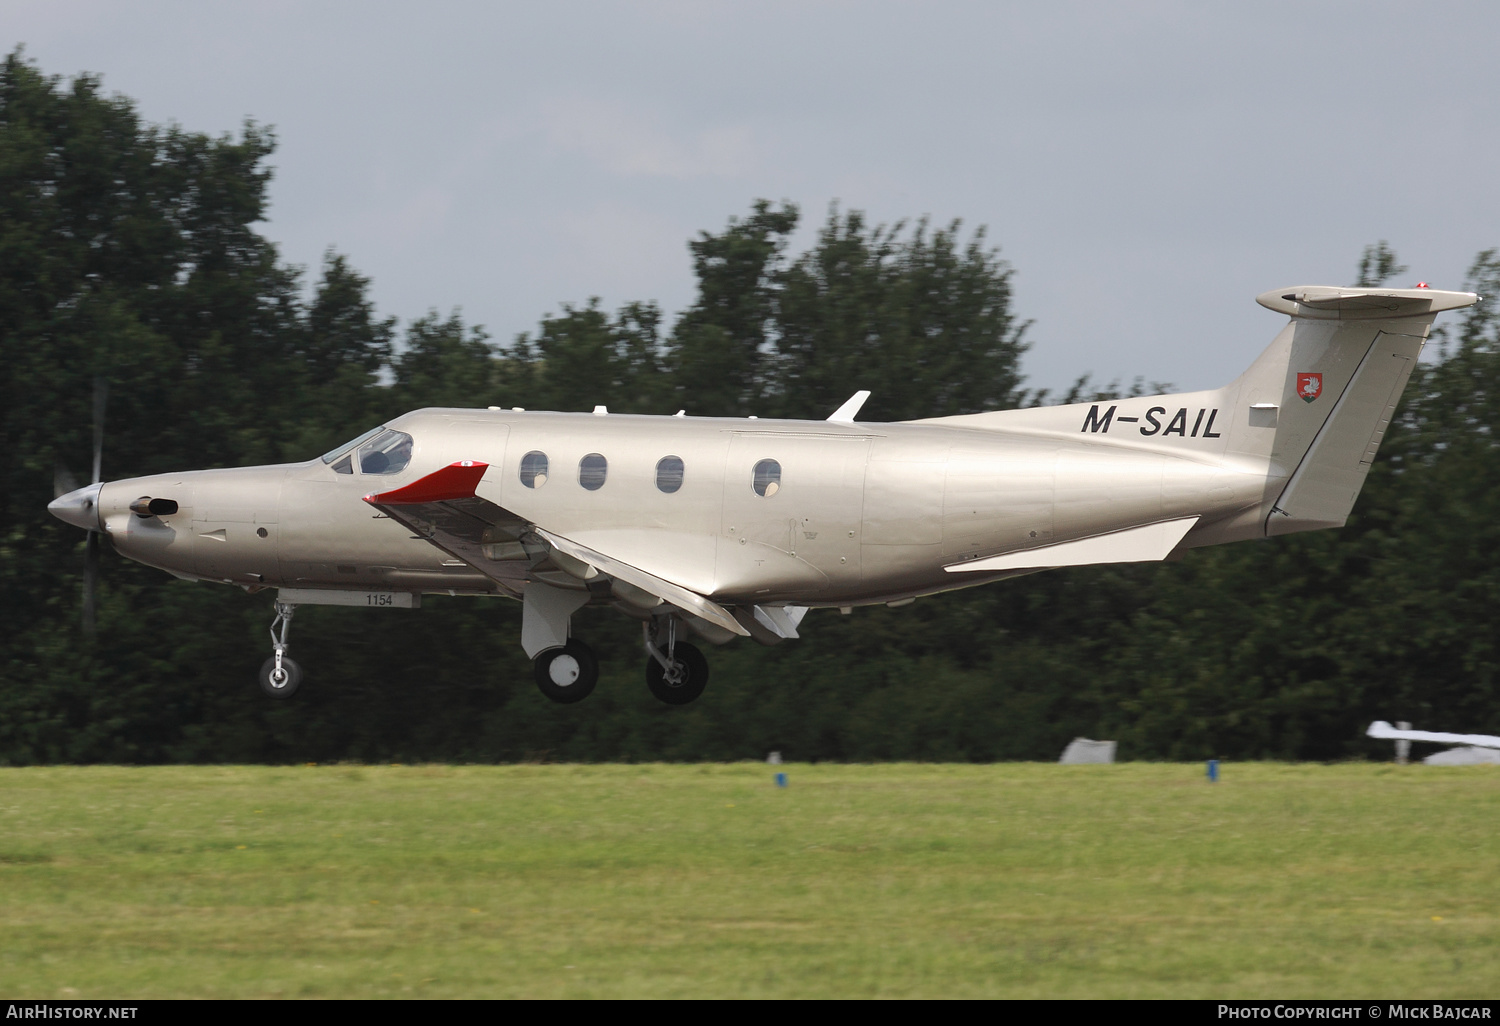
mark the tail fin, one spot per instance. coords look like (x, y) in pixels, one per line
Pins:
(1303, 422)
(1329, 385)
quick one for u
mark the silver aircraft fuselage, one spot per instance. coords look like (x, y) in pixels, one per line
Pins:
(862, 514)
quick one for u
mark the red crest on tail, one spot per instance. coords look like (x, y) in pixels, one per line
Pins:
(1309, 386)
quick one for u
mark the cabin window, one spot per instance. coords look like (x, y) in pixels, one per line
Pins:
(387, 453)
(534, 469)
(592, 470)
(767, 478)
(669, 474)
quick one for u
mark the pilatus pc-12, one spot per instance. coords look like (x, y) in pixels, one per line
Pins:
(712, 527)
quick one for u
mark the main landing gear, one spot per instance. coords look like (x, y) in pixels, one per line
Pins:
(280, 676)
(676, 672)
(568, 674)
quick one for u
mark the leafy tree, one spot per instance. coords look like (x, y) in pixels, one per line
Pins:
(1378, 266)
(583, 358)
(721, 346)
(442, 362)
(919, 318)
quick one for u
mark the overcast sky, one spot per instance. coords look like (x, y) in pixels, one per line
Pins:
(1147, 168)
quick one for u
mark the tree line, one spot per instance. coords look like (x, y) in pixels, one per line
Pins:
(130, 252)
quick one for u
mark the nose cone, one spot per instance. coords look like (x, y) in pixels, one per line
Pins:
(80, 507)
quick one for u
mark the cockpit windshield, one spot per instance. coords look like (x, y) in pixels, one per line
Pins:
(387, 453)
(380, 450)
(339, 450)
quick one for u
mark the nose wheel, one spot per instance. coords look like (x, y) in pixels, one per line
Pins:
(676, 672)
(568, 674)
(280, 676)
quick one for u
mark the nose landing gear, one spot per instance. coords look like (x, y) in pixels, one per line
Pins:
(280, 676)
(677, 672)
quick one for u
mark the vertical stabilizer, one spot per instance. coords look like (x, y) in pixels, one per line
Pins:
(1337, 373)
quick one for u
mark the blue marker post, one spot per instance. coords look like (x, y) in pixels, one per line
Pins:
(1213, 771)
(781, 780)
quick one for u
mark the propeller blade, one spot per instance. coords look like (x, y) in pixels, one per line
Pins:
(101, 396)
(90, 583)
(63, 481)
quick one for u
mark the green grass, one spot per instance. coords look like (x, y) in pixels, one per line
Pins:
(1133, 880)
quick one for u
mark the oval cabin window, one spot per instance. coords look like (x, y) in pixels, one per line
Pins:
(534, 469)
(592, 470)
(767, 478)
(669, 473)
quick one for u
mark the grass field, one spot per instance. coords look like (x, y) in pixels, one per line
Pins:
(1018, 880)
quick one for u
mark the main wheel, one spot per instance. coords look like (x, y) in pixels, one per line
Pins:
(568, 674)
(286, 684)
(685, 683)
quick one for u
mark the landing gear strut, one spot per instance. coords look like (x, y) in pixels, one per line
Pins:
(280, 676)
(676, 672)
(568, 674)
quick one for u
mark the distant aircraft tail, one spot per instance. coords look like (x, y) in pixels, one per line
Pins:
(1328, 386)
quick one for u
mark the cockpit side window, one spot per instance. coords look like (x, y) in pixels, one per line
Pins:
(387, 453)
(345, 465)
(339, 450)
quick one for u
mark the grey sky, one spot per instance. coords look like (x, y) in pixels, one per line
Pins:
(1146, 167)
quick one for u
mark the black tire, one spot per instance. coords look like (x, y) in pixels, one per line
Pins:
(692, 685)
(556, 666)
(293, 677)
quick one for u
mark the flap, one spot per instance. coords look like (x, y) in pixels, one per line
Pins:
(679, 596)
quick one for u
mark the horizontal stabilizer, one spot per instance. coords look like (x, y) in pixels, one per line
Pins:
(1137, 545)
(1327, 302)
(1383, 731)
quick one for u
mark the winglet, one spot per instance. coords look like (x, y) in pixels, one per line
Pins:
(455, 481)
(845, 413)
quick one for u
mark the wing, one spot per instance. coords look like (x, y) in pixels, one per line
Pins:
(1383, 731)
(443, 508)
